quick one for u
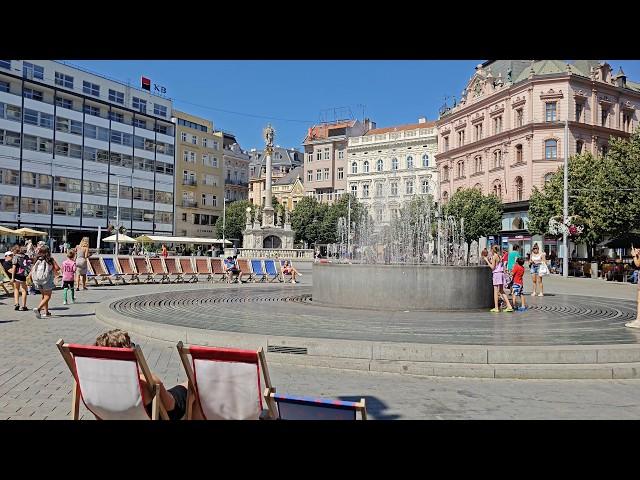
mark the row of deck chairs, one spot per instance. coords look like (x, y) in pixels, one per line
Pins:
(176, 269)
(226, 383)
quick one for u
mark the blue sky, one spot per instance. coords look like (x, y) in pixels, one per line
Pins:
(295, 93)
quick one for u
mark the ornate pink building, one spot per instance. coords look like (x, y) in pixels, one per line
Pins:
(506, 135)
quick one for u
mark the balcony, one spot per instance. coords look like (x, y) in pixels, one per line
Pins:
(189, 203)
(189, 181)
(242, 183)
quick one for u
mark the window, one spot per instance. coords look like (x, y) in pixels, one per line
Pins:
(365, 166)
(445, 173)
(8, 203)
(365, 190)
(41, 119)
(477, 134)
(319, 155)
(497, 124)
(68, 126)
(9, 138)
(117, 97)
(10, 112)
(318, 175)
(33, 94)
(497, 189)
(394, 164)
(159, 110)
(326, 154)
(519, 117)
(35, 205)
(460, 138)
(425, 186)
(121, 138)
(326, 174)
(340, 154)
(68, 149)
(5, 64)
(194, 139)
(497, 159)
(116, 117)
(603, 150)
(4, 86)
(626, 121)
(354, 189)
(37, 144)
(550, 149)
(9, 177)
(409, 187)
(93, 131)
(604, 116)
(409, 162)
(379, 165)
(477, 164)
(204, 142)
(378, 189)
(64, 103)
(579, 108)
(425, 160)
(64, 80)
(309, 175)
(579, 145)
(379, 214)
(189, 156)
(139, 104)
(163, 129)
(139, 123)
(446, 143)
(550, 111)
(519, 154)
(91, 88)
(394, 188)
(519, 189)
(32, 71)
(340, 173)
(354, 167)
(91, 110)
(461, 169)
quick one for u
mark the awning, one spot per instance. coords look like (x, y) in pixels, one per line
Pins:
(164, 239)
(121, 239)
(6, 231)
(29, 232)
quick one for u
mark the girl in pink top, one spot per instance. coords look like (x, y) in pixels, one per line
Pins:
(68, 274)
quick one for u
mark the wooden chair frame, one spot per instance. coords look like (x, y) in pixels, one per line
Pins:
(221, 271)
(177, 275)
(360, 406)
(193, 274)
(165, 277)
(148, 272)
(208, 268)
(248, 270)
(263, 274)
(118, 275)
(133, 275)
(103, 276)
(272, 278)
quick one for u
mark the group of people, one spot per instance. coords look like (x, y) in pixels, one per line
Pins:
(508, 273)
(234, 274)
(33, 268)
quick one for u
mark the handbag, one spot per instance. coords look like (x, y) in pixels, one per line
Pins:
(544, 270)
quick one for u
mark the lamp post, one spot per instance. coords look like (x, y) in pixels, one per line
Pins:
(118, 218)
(224, 217)
(565, 209)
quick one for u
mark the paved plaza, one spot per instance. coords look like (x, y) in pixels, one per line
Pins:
(35, 383)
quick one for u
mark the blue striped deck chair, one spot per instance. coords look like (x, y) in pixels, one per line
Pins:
(290, 407)
(271, 269)
(258, 270)
(111, 269)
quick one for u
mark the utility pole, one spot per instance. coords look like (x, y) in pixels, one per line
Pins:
(224, 218)
(118, 219)
(349, 227)
(565, 210)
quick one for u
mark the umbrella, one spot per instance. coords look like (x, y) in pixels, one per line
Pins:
(623, 241)
(143, 239)
(29, 232)
(6, 231)
(122, 238)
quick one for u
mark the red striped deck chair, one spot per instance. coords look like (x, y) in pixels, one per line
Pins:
(202, 267)
(173, 269)
(245, 267)
(107, 380)
(217, 269)
(187, 269)
(157, 268)
(292, 407)
(99, 270)
(142, 268)
(127, 269)
(226, 382)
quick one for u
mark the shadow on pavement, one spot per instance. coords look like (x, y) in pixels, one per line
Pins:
(74, 315)
(7, 321)
(375, 407)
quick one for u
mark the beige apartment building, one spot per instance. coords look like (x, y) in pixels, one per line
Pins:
(289, 190)
(199, 176)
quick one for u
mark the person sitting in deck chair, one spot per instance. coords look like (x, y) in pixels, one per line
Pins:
(231, 267)
(288, 269)
(173, 399)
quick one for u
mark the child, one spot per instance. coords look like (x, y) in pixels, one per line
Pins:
(518, 284)
(68, 274)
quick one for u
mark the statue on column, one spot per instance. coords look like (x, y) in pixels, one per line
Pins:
(268, 134)
(279, 220)
(248, 218)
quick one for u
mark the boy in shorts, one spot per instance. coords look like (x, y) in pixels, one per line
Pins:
(518, 285)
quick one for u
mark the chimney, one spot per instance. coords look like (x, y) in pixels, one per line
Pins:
(369, 125)
(422, 120)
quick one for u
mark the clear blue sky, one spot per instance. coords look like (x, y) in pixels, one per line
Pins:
(393, 92)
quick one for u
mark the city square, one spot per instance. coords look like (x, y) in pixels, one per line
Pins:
(377, 271)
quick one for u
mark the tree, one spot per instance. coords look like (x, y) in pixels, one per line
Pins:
(235, 219)
(482, 214)
(328, 232)
(307, 218)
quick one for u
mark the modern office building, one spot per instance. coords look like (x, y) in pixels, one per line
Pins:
(199, 182)
(68, 138)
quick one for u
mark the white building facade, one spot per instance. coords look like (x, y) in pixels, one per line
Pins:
(389, 166)
(68, 137)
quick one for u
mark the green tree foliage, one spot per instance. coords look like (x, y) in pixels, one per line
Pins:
(482, 214)
(307, 218)
(329, 228)
(235, 219)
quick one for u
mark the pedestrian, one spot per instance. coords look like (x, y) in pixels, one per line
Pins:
(165, 252)
(497, 267)
(538, 259)
(518, 285)
(31, 252)
(13, 264)
(68, 274)
(513, 256)
(42, 274)
(636, 260)
(485, 253)
(82, 253)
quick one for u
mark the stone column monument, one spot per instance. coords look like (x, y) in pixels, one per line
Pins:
(267, 213)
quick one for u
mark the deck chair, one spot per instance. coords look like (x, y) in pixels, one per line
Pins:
(290, 407)
(217, 270)
(125, 267)
(157, 268)
(282, 274)
(258, 270)
(245, 267)
(108, 383)
(271, 270)
(99, 270)
(91, 275)
(173, 269)
(142, 268)
(187, 269)
(226, 382)
(5, 280)
(111, 269)
(202, 267)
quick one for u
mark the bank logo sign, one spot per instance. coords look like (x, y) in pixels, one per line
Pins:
(146, 85)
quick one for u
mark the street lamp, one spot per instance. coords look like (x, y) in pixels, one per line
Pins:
(565, 208)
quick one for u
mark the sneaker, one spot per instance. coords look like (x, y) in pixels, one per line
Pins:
(522, 309)
(64, 302)
(16, 308)
(77, 289)
(37, 312)
(495, 310)
(534, 294)
(24, 309)
(293, 281)
(508, 309)
(541, 294)
(634, 324)
(48, 314)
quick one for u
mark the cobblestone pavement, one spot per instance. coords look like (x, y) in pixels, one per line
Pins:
(35, 383)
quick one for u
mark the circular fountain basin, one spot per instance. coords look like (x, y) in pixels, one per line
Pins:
(403, 287)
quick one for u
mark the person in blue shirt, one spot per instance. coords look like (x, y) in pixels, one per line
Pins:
(231, 267)
(513, 256)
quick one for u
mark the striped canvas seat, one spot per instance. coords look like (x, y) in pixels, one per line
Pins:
(271, 270)
(217, 270)
(258, 270)
(245, 267)
(202, 267)
(157, 268)
(187, 269)
(127, 269)
(173, 269)
(110, 264)
(142, 268)
(98, 270)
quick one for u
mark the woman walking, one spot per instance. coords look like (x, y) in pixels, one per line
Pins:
(537, 259)
(18, 276)
(82, 253)
(42, 274)
(497, 267)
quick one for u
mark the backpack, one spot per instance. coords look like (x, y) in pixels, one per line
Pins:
(21, 265)
(41, 271)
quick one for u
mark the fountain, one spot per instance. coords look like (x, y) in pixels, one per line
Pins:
(419, 261)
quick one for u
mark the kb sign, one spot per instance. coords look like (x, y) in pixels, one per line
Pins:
(146, 85)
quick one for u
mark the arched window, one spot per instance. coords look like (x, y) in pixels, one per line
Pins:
(477, 186)
(445, 197)
(478, 164)
(518, 189)
(380, 165)
(394, 164)
(445, 172)
(425, 160)
(497, 189)
(378, 189)
(579, 145)
(548, 177)
(460, 169)
(365, 166)
(519, 153)
(409, 162)
(459, 189)
(497, 159)
(354, 167)
(425, 186)
(550, 149)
